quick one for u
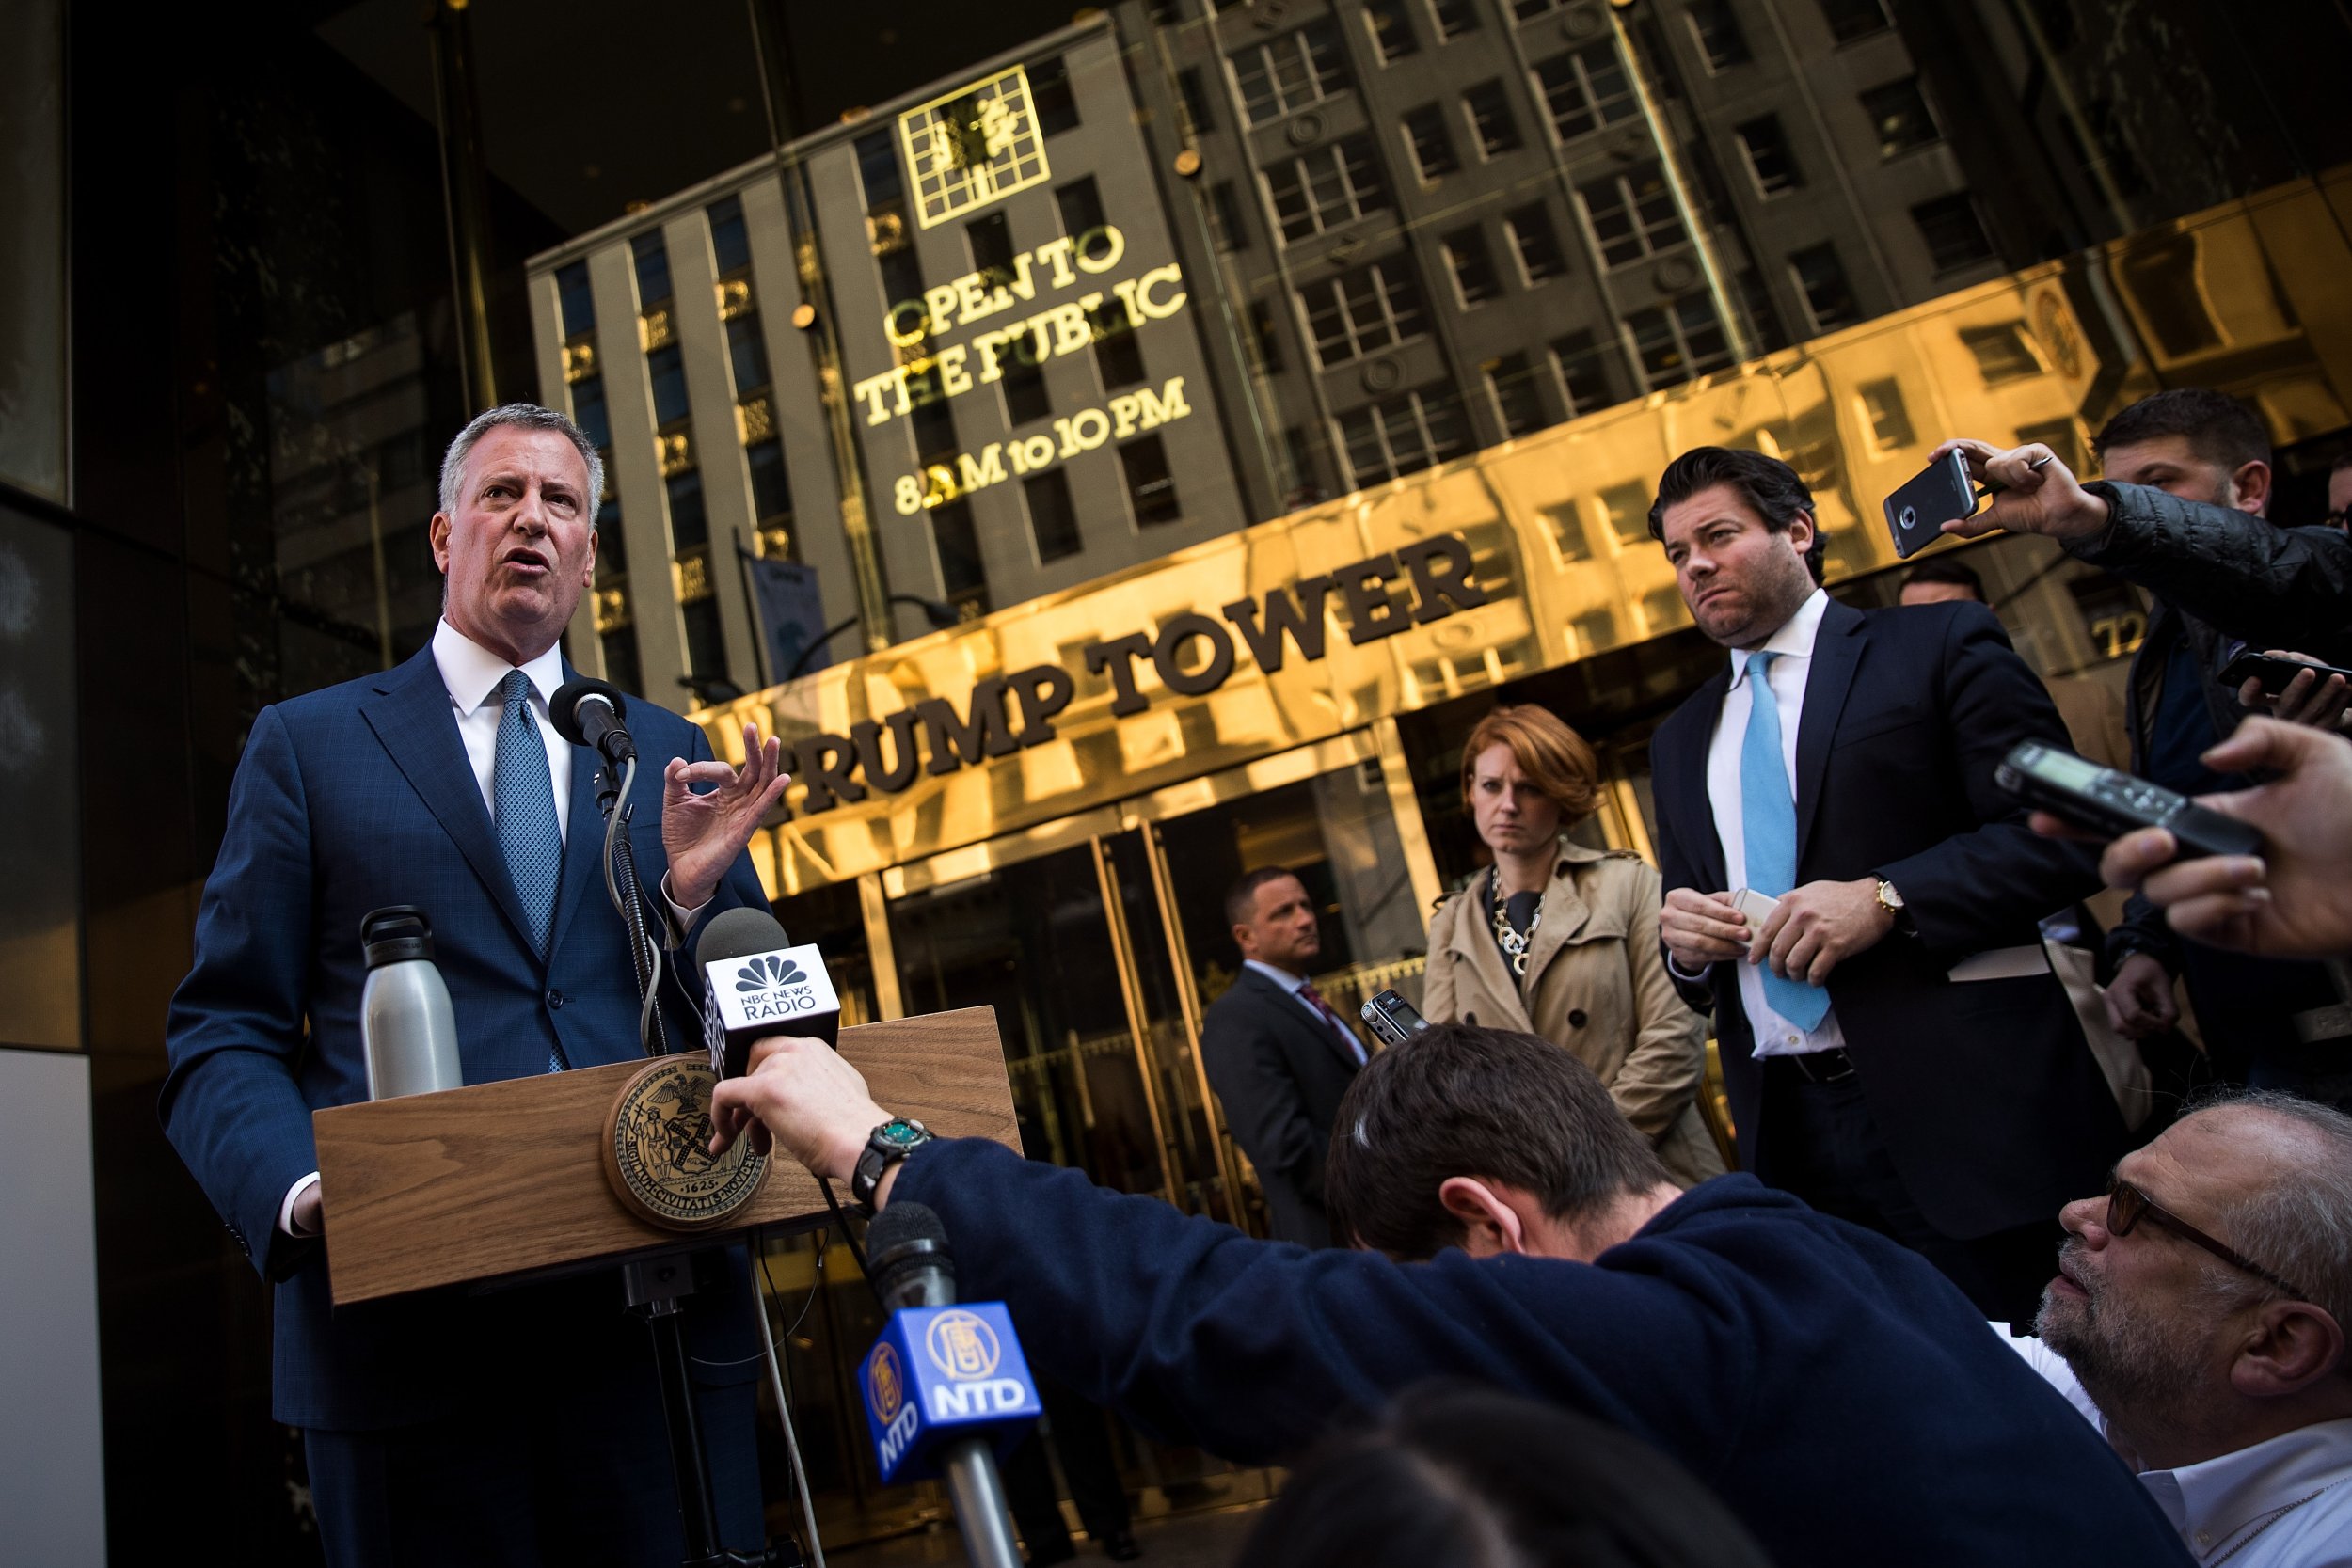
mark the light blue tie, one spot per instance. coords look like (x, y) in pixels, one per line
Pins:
(1768, 826)
(522, 801)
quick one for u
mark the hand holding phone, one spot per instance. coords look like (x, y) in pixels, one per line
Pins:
(1940, 493)
(2100, 801)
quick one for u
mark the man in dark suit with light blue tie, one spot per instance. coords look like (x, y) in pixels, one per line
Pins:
(1895, 1049)
(523, 1424)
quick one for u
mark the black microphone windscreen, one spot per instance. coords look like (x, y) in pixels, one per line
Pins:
(907, 1261)
(564, 707)
(900, 1224)
(737, 933)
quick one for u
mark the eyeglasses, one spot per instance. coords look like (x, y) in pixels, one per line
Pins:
(2127, 1206)
(2338, 519)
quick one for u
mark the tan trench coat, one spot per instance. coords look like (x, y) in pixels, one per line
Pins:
(1597, 984)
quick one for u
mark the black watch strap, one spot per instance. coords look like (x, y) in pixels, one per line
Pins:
(888, 1143)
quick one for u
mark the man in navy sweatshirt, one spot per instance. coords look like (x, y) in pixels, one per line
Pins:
(1844, 1400)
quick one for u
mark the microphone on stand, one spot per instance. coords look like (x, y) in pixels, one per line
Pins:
(755, 983)
(946, 1388)
(587, 712)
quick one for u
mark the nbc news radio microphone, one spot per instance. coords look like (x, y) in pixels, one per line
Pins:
(755, 983)
(947, 1390)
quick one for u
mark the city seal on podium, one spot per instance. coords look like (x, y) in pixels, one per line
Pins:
(657, 1151)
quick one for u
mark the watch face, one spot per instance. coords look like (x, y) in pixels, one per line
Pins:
(902, 1133)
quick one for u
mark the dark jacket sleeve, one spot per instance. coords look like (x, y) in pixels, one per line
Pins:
(1676, 868)
(1261, 1101)
(231, 1104)
(1253, 1349)
(2274, 587)
(2143, 930)
(1979, 889)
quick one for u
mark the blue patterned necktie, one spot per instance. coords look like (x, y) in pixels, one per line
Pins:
(522, 799)
(1768, 827)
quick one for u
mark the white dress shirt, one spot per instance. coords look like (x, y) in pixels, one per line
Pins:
(2284, 1503)
(1293, 983)
(1786, 677)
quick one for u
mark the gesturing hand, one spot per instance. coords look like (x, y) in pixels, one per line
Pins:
(798, 1095)
(1702, 928)
(1819, 926)
(2043, 500)
(702, 834)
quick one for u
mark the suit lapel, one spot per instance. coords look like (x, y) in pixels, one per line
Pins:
(410, 715)
(1564, 914)
(1837, 652)
(1687, 788)
(1301, 1016)
(584, 833)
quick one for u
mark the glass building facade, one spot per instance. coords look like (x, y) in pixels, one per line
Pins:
(1112, 449)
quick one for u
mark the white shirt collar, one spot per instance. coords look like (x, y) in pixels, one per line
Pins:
(1794, 638)
(472, 673)
(2210, 1502)
(1281, 977)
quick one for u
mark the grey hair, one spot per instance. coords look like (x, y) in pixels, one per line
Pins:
(530, 416)
(2297, 1226)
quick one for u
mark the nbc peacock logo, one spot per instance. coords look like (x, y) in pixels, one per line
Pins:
(767, 973)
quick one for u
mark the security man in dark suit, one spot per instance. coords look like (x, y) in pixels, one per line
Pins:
(1278, 1055)
(1897, 1050)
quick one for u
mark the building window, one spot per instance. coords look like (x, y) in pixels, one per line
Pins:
(1391, 30)
(1490, 118)
(590, 413)
(962, 579)
(730, 241)
(1677, 341)
(1364, 311)
(1264, 341)
(1025, 397)
(1117, 354)
(1518, 402)
(747, 352)
(653, 269)
(932, 423)
(990, 242)
(689, 525)
(1473, 267)
(771, 493)
(1586, 91)
(1053, 517)
(2002, 352)
(1568, 532)
(579, 303)
(1770, 163)
(1882, 409)
(612, 547)
(1583, 368)
(1289, 72)
(1228, 229)
(667, 371)
(1718, 33)
(902, 284)
(1955, 235)
(1850, 20)
(878, 171)
(1080, 203)
(706, 648)
(1194, 88)
(1900, 116)
(1332, 185)
(1631, 215)
(1757, 300)
(620, 658)
(1432, 148)
(1305, 489)
(1527, 11)
(1455, 18)
(1538, 246)
(1822, 279)
(1403, 435)
(1150, 484)
(2062, 437)
(1055, 107)
(1627, 507)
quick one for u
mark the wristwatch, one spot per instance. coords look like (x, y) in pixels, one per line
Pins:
(886, 1146)
(1892, 902)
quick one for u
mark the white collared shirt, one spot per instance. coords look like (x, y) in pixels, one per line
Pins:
(1785, 676)
(476, 679)
(2283, 1503)
(1293, 985)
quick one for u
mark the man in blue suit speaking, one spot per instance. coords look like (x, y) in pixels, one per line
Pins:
(454, 1428)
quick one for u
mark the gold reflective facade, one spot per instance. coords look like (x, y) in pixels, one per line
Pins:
(2246, 296)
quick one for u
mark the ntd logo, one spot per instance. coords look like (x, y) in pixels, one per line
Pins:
(997, 1396)
(940, 1373)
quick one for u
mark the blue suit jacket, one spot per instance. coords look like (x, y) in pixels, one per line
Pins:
(346, 800)
(1837, 1392)
(1993, 1107)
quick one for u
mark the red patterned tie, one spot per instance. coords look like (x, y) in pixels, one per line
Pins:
(1313, 998)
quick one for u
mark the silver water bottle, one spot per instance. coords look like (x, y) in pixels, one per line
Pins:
(405, 1025)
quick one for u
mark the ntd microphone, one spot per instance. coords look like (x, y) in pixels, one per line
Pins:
(756, 985)
(947, 1382)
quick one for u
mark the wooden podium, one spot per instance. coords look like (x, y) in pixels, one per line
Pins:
(500, 1180)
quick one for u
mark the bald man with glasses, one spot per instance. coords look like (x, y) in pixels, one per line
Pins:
(2198, 1318)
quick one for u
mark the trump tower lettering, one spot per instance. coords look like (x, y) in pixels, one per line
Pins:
(938, 1373)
